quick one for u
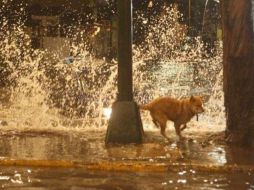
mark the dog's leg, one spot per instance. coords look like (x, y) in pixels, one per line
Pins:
(154, 120)
(163, 132)
(183, 127)
(178, 130)
(160, 120)
(163, 125)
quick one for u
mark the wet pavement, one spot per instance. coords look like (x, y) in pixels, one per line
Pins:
(77, 160)
(77, 179)
(88, 146)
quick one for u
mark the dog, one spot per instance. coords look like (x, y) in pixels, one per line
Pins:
(179, 111)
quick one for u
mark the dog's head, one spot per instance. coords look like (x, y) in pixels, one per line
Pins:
(196, 104)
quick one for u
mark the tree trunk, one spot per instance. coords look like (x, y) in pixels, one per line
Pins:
(238, 60)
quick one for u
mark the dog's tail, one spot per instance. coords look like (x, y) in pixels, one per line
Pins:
(145, 107)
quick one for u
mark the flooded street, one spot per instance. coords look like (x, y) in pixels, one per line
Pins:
(80, 160)
(77, 179)
(59, 77)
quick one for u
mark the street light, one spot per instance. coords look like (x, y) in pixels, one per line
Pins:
(125, 124)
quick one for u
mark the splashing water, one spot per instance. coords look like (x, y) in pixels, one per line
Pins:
(181, 67)
(43, 91)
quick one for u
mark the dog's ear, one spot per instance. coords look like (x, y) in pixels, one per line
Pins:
(202, 98)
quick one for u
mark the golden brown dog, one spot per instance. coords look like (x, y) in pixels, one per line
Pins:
(179, 111)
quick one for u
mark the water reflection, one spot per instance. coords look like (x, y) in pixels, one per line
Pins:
(81, 179)
(89, 146)
(239, 155)
(219, 155)
(49, 146)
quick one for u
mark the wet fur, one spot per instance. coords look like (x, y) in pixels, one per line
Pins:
(179, 111)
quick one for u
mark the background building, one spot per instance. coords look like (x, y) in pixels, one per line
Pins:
(55, 25)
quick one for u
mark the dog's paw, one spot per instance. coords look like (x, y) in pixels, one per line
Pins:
(181, 138)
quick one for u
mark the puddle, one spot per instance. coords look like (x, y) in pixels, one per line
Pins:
(77, 179)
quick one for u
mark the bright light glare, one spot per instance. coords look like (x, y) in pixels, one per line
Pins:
(107, 112)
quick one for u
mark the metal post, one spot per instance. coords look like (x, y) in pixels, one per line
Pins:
(189, 13)
(124, 50)
(252, 13)
(125, 125)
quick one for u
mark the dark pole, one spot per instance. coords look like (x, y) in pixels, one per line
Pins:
(125, 125)
(124, 50)
(238, 63)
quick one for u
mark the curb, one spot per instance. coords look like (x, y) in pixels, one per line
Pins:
(128, 166)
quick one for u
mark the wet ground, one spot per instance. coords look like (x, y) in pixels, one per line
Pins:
(27, 178)
(39, 160)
